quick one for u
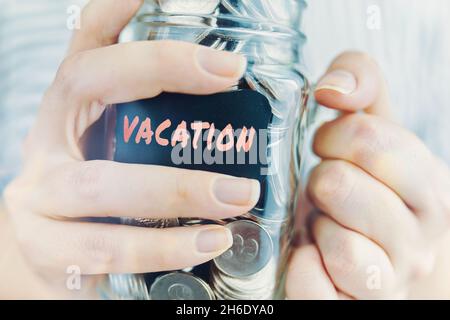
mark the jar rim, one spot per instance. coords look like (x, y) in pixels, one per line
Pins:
(276, 31)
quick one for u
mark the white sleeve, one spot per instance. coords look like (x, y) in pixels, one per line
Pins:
(412, 46)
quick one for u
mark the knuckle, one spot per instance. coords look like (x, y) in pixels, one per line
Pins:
(101, 251)
(368, 141)
(16, 195)
(31, 250)
(165, 259)
(11, 195)
(176, 203)
(87, 179)
(342, 260)
(162, 260)
(372, 140)
(183, 192)
(67, 79)
(333, 184)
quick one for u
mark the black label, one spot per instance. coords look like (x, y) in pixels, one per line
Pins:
(224, 133)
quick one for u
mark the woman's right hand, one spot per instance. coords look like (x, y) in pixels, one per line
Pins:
(57, 188)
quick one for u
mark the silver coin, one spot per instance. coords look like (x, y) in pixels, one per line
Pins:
(225, 291)
(189, 6)
(263, 280)
(197, 221)
(180, 286)
(129, 286)
(251, 251)
(191, 222)
(259, 286)
(187, 270)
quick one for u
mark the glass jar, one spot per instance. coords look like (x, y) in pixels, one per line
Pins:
(254, 130)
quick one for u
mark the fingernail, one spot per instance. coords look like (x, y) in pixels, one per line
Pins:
(221, 63)
(237, 192)
(338, 80)
(214, 240)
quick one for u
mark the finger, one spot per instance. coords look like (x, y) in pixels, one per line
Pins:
(354, 82)
(357, 266)
(104, 188)
(307, 278)
(101, 23)
(101, 248)
(150, 67)
(89, 81)
(362, 204)
(389, 153)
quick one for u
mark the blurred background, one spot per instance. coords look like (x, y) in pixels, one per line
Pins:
(409, 38)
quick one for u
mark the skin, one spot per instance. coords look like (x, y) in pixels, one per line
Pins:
(382, 199)
(371, 211)
(57, 188)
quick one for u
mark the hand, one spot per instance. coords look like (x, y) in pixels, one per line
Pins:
(57, 188)
(383, 197)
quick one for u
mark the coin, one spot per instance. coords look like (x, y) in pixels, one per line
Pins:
(188, 222)
(151, 223)
(257, 286)
(189, 6)
(129, 286)
(263, 280)
(243, 290)
(180, 286)
(251, 251)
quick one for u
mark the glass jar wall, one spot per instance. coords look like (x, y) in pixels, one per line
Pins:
(252, 130)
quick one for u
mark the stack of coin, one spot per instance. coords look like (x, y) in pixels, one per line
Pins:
(260, 286)
(133, 286)
(180, 286)
(247, 271)
(129, 286)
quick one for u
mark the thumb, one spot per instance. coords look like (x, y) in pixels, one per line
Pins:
(354, 82)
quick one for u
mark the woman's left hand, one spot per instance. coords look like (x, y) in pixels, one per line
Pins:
(384, 198)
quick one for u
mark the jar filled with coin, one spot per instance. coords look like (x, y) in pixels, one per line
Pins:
(253, 130)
